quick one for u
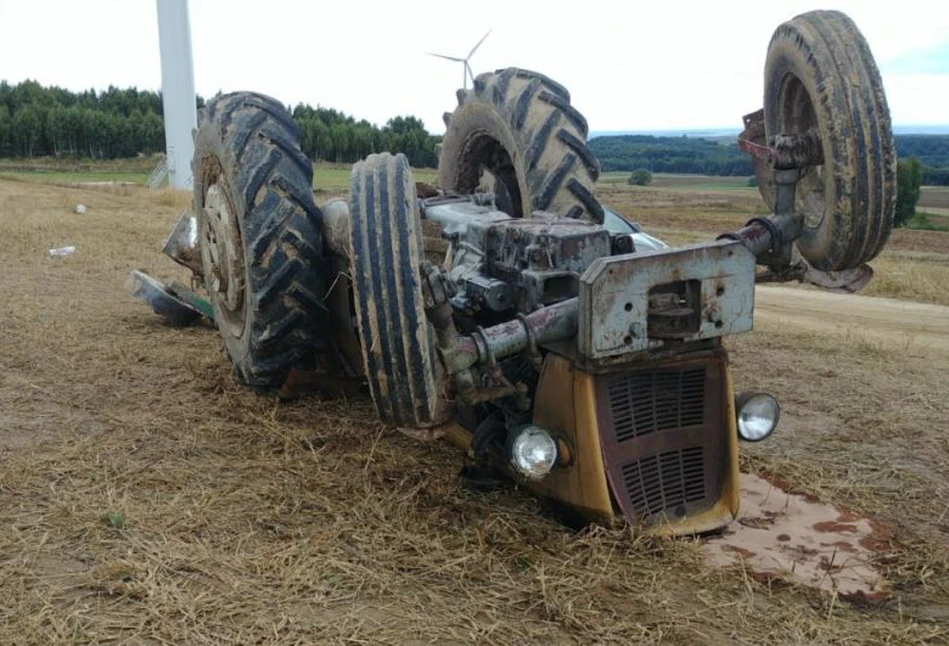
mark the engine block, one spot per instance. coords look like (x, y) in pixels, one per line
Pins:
(543, 256)
(502, 263)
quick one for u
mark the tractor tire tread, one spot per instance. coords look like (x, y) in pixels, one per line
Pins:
(270, 179)
(542, 133)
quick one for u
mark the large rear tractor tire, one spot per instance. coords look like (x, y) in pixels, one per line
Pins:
(519, 126)
(820, 74)
(398, 343)
(259, 235)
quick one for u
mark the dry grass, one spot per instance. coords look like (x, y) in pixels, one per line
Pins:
(934, 197)
(913, 266)
(145, 497)
(912, 276)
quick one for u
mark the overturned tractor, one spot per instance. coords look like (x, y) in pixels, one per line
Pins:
(510, 311)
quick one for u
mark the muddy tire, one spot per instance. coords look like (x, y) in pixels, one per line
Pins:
(398, 343)
(259, 234)
(519, 126)
(820, 74)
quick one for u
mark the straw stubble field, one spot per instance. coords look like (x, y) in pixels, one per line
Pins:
(146, 497)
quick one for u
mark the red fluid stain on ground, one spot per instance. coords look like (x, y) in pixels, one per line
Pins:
(801, 540)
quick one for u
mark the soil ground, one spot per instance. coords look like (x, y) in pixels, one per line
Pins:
(146, 497)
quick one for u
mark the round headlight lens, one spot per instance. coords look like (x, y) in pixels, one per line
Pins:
(758, 416)
(533, 452)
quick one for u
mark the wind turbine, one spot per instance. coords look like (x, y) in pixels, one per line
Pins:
(177, 89)
(466, 70)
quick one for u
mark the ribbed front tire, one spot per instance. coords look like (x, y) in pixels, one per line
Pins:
(259, 234)
(820, 74)
(397, 341)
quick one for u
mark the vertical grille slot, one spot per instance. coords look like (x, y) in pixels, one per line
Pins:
(656, 400)
(665, 436)
(665, 481)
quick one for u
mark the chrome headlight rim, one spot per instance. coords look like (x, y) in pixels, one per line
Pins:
(745, 399)
(526, 441)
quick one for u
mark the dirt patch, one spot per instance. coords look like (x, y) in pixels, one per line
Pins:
(888, 320)
(787, 536)
(146, 497)
(916, 240)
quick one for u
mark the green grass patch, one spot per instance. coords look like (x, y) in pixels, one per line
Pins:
(928, 222)
(327, 178)
(69, 178)
(334, 178)
(69, 171)
(697, 183)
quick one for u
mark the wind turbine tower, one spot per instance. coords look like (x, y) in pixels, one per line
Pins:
(177, 89)
(466, 68)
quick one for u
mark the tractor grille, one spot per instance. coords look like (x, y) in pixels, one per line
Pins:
(664, 437)
(666, 481)
(657, 400)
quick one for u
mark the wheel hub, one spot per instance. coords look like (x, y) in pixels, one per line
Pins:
(799, 117)
(222, 238)
(811, 197)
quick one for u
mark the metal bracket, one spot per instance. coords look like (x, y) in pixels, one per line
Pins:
(181, 245)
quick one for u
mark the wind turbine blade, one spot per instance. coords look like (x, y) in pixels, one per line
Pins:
(450, 58)
(473, 49)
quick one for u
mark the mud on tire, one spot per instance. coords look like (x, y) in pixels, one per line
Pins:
(260, 239)
(820, 74)
(520, 127)
(397, 341)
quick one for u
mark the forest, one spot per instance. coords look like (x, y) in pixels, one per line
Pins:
(38, 121)
(694, 155)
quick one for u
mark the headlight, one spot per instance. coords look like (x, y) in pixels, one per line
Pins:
(533, 452)
(758, 415)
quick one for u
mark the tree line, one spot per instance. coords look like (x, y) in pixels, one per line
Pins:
(50, 121)
(693, 155)
(931, 153)
(39, 121)
(330, 135)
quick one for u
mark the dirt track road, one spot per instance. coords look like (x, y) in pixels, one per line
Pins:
(895, 322)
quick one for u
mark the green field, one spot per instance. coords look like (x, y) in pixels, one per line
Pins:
(928, 222)
(69, 178)
(334, 178)
(707, 183)
(67, 172)
(327, 178)
(933, 200)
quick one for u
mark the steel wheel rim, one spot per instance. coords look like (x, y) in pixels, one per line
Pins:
(797, 117)
(225, 250)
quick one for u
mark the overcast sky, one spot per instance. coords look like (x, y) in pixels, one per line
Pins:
(629, 65)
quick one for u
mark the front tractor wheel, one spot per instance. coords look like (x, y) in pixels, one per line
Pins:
(820, 76)
(398, 342)
(259, 235)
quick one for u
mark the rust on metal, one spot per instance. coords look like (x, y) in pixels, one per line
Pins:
(780, 151)
(644, 301)
(546, 325)
(662, 430)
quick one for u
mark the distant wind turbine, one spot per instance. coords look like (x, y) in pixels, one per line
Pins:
(466, 69)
